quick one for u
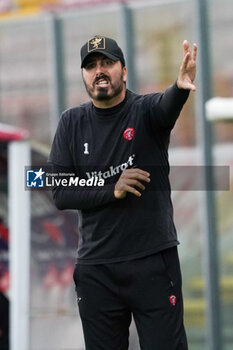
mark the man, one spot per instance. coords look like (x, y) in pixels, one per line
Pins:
(127, 257)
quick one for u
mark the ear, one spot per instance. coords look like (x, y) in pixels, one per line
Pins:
(124, 74)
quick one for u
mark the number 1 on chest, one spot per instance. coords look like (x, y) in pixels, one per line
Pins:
(86, 148)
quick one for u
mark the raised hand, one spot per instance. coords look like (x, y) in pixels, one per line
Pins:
(187, 71)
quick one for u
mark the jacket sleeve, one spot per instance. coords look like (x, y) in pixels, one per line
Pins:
(164, 108)
(82, 198)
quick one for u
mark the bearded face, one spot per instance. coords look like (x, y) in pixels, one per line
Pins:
(104, 78)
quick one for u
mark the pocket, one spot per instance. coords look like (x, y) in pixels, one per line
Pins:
(172, 266)
(165, 260)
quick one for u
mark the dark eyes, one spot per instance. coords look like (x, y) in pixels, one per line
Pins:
(109, 62)
(90, 65)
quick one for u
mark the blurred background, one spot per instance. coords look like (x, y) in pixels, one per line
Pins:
(40, 77)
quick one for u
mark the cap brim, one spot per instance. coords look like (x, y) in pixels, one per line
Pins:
(109, 55)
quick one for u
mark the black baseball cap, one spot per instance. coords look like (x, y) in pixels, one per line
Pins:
(104, 45)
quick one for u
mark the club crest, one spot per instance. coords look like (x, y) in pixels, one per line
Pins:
(129, 134)
(172, 299)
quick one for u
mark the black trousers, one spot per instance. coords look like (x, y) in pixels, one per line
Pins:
(148, 288)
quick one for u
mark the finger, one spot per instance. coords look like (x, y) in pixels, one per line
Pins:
(136, 176)
(186, 47)
(122, 184)
(119, 194)
(194, 51)
(136, 183)
(136, 170)
(132, 190)
(192, 87)
(185, 60)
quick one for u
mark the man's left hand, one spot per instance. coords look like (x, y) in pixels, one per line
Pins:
(187, 71)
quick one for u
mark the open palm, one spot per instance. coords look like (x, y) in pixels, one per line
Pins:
(187, 71)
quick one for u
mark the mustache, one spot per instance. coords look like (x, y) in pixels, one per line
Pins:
(102, 76)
